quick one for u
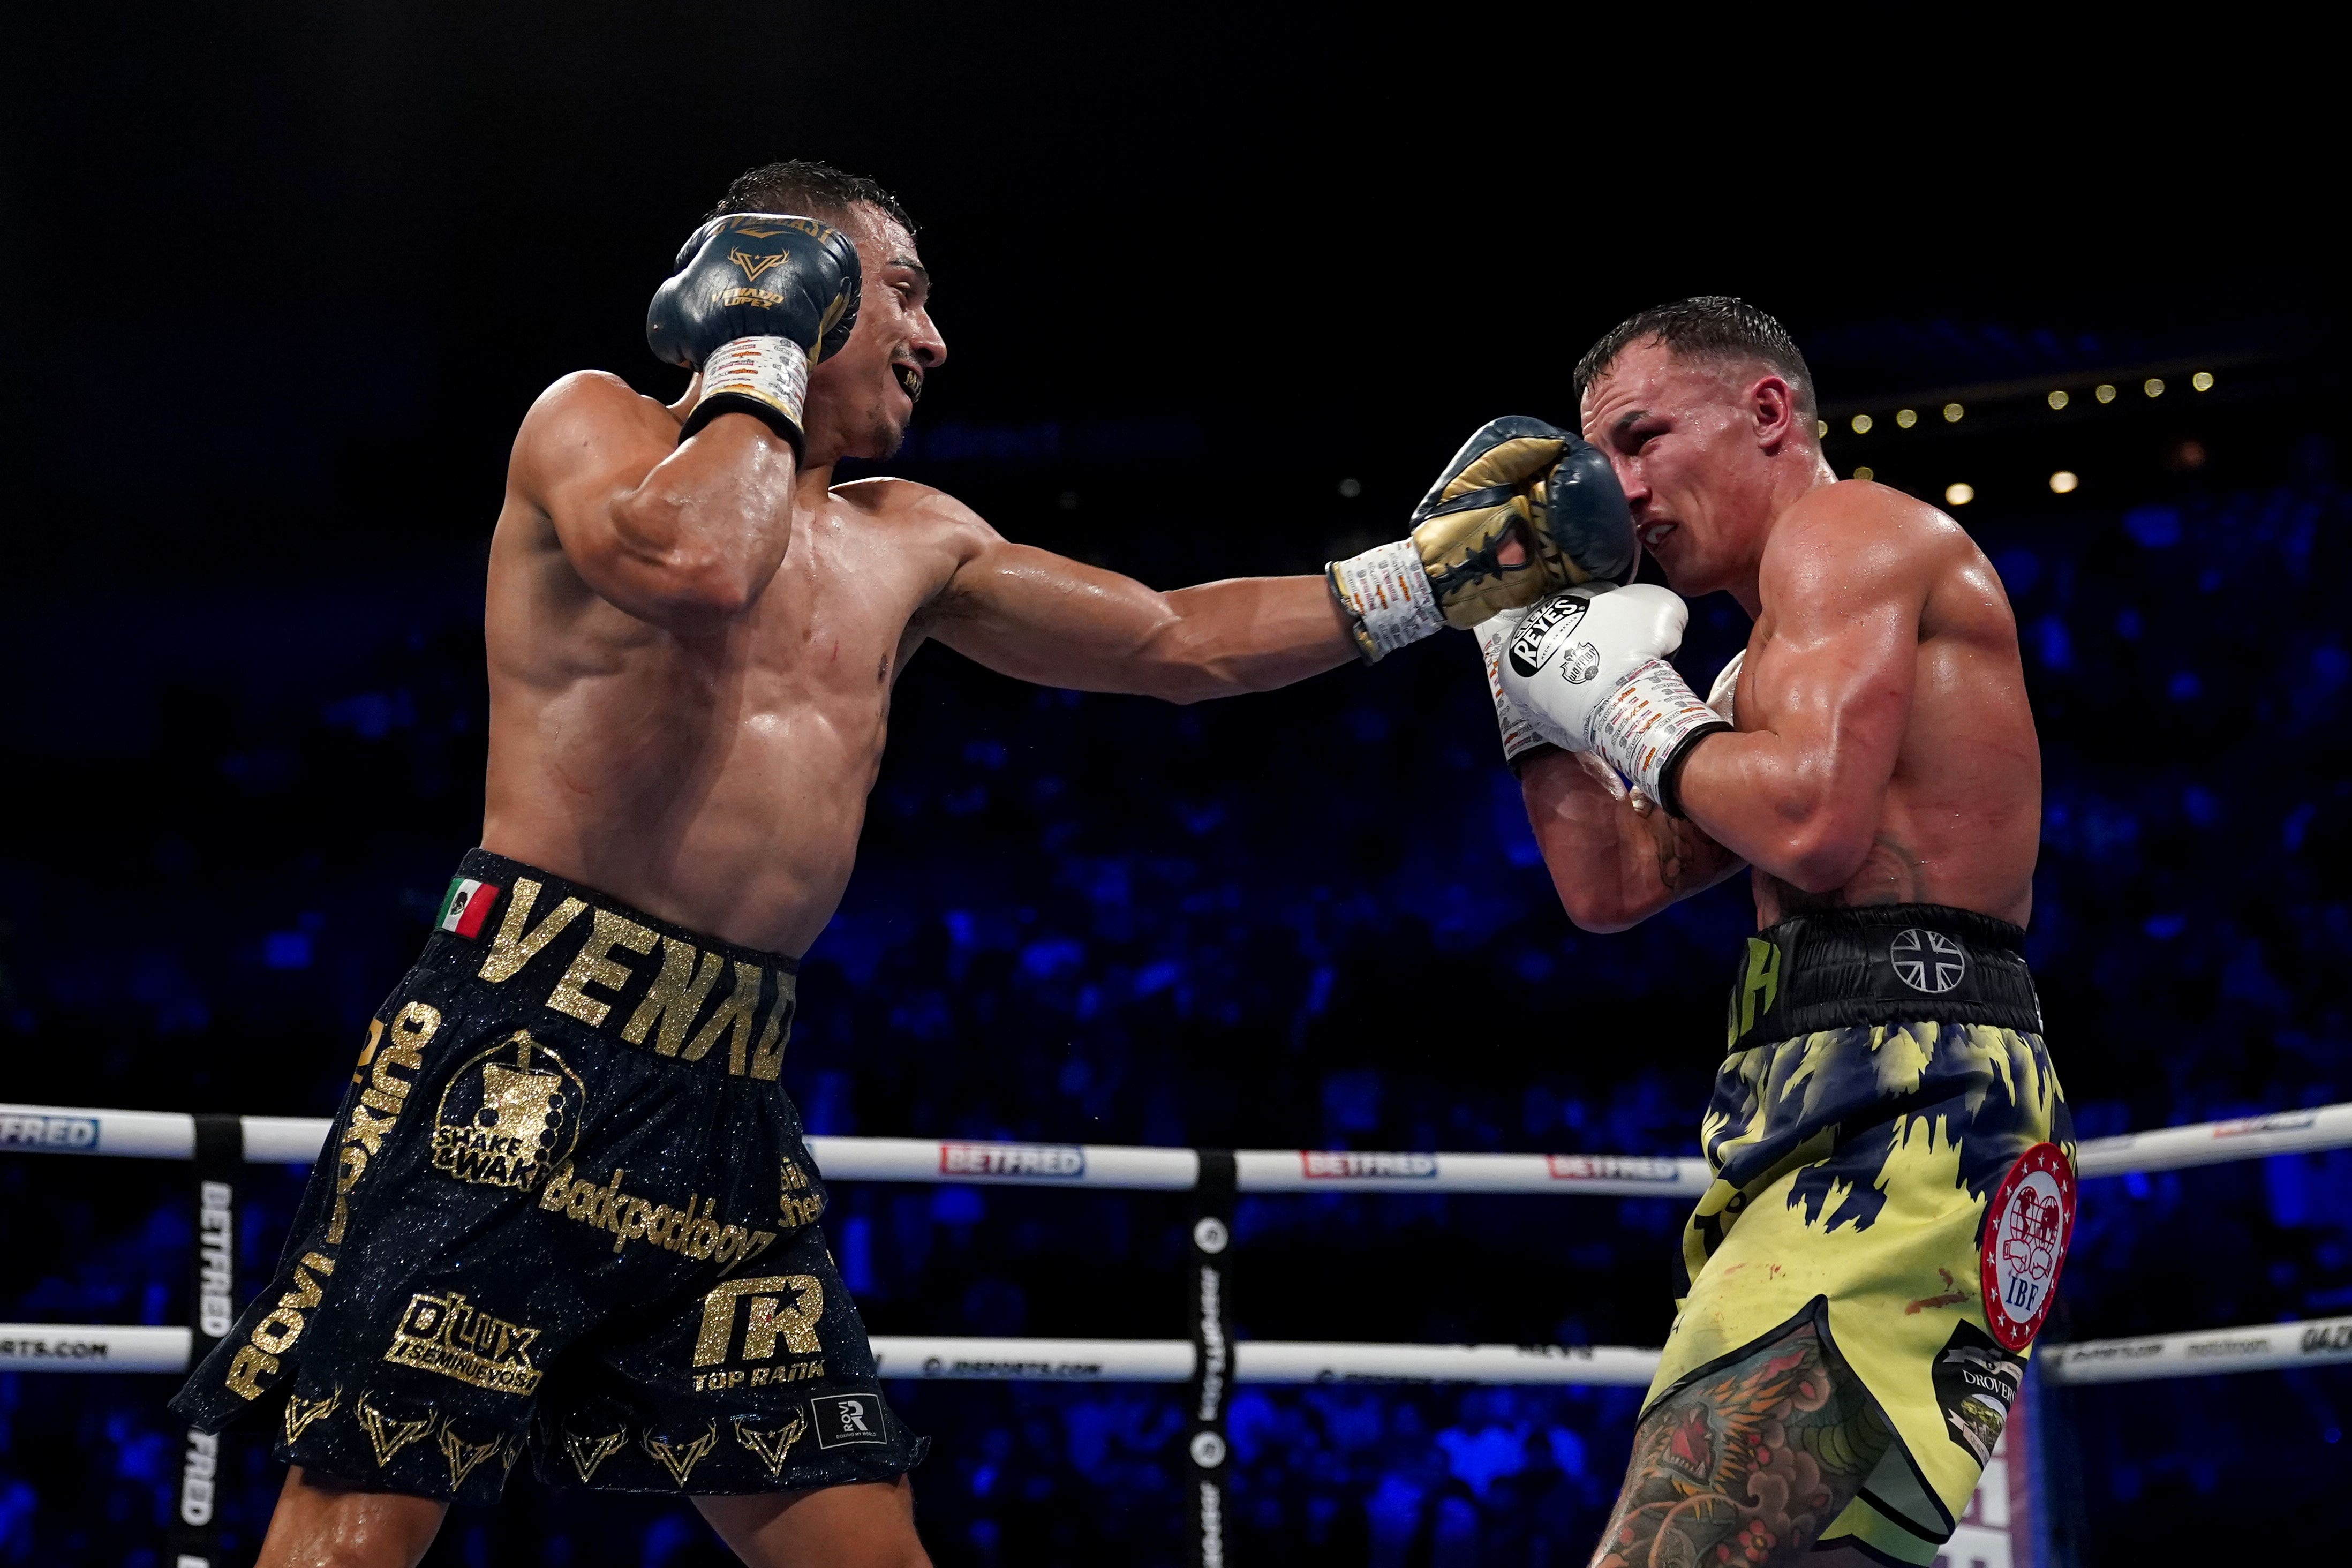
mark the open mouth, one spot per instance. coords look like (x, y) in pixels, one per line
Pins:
(1654, 535)
(910, 380)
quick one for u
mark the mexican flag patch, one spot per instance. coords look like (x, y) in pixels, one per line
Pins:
(466, 906)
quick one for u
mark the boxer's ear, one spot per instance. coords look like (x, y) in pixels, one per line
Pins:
(1772, 410)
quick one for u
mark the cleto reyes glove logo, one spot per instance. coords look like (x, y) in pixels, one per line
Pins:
(1545, 631)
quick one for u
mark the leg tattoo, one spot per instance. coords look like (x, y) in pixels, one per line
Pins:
(1748, 1464)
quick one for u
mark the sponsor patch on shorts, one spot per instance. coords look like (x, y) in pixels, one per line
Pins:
(2027, 1227)
(1976, 1383)
(843, 1419)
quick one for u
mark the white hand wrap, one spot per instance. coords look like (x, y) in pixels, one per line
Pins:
(773, 371)
(1387, 590)
(1645, 722)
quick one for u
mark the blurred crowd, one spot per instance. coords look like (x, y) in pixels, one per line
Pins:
(1311, 919)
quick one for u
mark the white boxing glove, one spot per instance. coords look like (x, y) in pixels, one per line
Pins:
(1587, 668)
(1519, 736)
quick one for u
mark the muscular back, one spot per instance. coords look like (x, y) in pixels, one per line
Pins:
(1959, 821)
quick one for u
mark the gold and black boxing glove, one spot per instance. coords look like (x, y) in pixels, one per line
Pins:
(752, 301)
(1514, 475)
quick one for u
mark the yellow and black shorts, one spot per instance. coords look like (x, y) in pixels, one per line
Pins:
(1886, 1088)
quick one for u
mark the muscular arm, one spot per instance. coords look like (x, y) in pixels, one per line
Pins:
(683, 536)
(1038, 617)
(1613, 866)
(1800, 790)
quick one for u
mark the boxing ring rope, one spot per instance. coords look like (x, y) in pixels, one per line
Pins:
(2266, 1347)
(1211, 1360)
(296, 1140)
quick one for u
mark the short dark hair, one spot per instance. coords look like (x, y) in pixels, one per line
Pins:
(808, 188)
(1709, 326)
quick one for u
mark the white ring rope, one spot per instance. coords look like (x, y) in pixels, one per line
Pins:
(296, 1140)
(293, 1140)
(2268, 1347)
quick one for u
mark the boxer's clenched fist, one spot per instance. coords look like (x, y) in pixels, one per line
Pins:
(754, 299)
(1587, 668)
(1516, 478)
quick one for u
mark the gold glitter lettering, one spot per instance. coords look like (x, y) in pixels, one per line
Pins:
(593, 964)
(511, 949)
(768, 1058)
(451, 1336)
(735, 1013)
(244, 1366)
(367, 1052)
(767, 1317)
(410, 1032)
(675, 997)
(367, 1130)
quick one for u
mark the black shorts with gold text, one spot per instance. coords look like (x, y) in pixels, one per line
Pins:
(565, 1205)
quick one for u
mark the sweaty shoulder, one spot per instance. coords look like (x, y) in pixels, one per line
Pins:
(577, 421)
(1859, 539)
(918, 509)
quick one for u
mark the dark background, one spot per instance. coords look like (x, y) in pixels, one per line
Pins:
(280, 282)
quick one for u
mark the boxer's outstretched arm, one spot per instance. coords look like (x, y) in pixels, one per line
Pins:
(683, 534)
(1035, 615)
(1844, 582)
(1613, 866)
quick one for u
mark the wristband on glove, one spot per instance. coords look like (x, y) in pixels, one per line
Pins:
(766, 377)
(1648, 725)
(1386, 592)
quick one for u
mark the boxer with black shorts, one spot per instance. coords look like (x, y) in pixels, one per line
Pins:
(565, 1206)
(1894, 1189)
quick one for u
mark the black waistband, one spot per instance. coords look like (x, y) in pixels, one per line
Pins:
(615, 969)
(1883, 963)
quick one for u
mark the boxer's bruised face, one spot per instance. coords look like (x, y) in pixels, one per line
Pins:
(861, 399)
(1693, 442)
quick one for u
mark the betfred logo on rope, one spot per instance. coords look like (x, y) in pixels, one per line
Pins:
(1344, 1164)
(1049, 1159)
(2027, 1227)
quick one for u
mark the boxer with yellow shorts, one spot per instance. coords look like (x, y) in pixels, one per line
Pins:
(1894, 1183)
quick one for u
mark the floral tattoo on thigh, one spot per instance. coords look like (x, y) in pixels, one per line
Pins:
(1748, 1465)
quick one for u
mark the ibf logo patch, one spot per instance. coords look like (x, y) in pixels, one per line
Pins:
(2027, 1227)
(1927, 961)
(1544, 632)
(844, 1419)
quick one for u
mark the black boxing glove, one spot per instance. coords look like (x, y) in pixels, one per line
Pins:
(754, 299)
